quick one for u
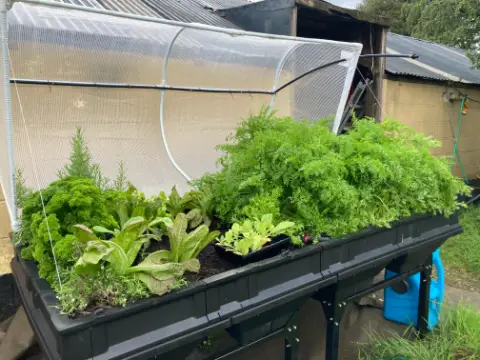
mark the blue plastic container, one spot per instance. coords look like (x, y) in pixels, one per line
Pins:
(403, 307)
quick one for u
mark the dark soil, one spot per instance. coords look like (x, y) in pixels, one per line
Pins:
(210, 264)
(9, 299)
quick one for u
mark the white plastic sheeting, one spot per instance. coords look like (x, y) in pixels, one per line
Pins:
(149, 126)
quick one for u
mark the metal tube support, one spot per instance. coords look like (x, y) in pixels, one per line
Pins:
(424, 296)
(162, 106)
(333, 307)
(292, 338)
(278, 72)
(4, 6)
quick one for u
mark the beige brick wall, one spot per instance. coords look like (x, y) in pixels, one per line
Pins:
(421, 106)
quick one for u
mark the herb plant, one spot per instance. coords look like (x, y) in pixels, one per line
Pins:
(251, 235)
(22, 191)
(67, 202)
(80, 162)
(328, 184)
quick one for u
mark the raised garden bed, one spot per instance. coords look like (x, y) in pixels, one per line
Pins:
(250, 302)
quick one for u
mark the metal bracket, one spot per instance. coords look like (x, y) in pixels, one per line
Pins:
(334, 307)
(292, 338)
(424, 296)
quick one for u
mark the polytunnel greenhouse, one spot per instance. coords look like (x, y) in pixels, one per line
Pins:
(156, 94)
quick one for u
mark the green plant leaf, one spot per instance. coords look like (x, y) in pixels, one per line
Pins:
(177, 232)
(122, 212)
(174, 203)
(192, 265)
(267, 218)
(130, 232)
(195, 218)
(118, 259)
(160, 220)
(83, 233)
(159, 257)
(159, 271)
(190, 242)
(155, 286)
(204, 242)
(134, 221)
(139, 210)
(134, 249)
(102, 230)
(283, 227)
(98, 250)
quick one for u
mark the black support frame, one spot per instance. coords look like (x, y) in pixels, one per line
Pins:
(334, 304)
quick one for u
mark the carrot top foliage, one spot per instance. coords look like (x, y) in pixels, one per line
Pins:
(330, 184)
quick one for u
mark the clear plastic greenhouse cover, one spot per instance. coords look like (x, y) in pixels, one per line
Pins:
(154, 94)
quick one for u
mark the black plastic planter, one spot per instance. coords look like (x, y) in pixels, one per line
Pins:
(162, 324)
(249, 302)
(273, 248)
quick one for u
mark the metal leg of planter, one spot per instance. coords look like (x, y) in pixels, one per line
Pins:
(333, 308)
(292, 338)
(424, 296)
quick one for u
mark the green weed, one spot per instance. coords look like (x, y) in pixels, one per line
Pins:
(463, 251)
(457, 338)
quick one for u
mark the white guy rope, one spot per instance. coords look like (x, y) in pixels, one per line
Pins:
(35, 171)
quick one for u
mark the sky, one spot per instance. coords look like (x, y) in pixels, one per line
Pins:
(349, 4)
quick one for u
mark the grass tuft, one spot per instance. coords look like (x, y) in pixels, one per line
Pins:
(456, 338)
(462, 252)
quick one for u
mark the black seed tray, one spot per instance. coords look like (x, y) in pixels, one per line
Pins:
(273, 248)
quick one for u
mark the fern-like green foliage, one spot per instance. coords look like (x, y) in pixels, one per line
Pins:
(68, 202)
(329, 184)
(21, 188)
(81, 164)
(121, 181)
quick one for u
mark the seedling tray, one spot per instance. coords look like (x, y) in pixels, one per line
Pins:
(273, 248)
(241, 300)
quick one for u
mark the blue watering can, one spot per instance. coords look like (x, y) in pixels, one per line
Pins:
(402, 306)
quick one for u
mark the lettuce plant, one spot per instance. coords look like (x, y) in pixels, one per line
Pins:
(251, 236)
(162, 268)
(159, 270)
(196, 204)
(121, 251)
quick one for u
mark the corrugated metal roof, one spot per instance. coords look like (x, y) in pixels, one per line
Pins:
(435, 62)
(226, 4)
(188, 11)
